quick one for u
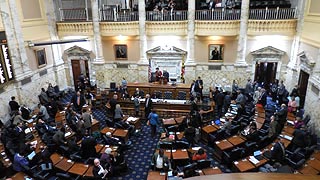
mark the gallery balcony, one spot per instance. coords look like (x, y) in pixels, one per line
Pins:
(207, 22)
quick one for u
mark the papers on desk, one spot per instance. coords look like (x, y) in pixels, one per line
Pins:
(131, 119)
(290, 122)
(30, 121)
(67, 134)
(228, 114)
(253, 160)
(222, 120)
(196, 148)
(28, 130)
(287, 137)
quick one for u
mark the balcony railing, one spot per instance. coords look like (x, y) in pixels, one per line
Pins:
(219, 14)
(166, 15)
(76, 14)
(114, 15)
(276, 13)
(122, 16)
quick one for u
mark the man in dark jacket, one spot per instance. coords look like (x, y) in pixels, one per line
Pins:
(88, 147)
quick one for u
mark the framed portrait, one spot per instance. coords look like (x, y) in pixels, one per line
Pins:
(41, 57)
(216, 52)
(121, 52)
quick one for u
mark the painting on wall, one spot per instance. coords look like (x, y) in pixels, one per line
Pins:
(41, 57)
(121, 52)
(216, 52)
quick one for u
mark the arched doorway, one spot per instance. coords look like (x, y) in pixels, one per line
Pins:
(267, 64)
(79, 62)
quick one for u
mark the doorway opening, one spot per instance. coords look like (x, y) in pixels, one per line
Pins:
(265, 72)
(79, 67)
(303, 85)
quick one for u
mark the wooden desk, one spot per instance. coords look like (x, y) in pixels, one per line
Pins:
(221, 146)
(260, 163)
(99, 147)
(206, 131)
(89, 173)
(107, 129)
(308, 170)
(243, 165)
(289, 130)
(155, 175)
(135, 121)
(316, 155)
(211, 171)
(78, 169)
(56, 158)
(121, 133)
(64, 165)
(169, 122)
(236, 140)
(315, 163)
(255, 176)
(95, 125)
(19, 176)
(180, 154)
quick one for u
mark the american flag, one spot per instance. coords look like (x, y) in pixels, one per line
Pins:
(149, 71)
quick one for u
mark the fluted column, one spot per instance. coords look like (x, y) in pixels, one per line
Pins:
(11, 23)
(96, 32)
(242, 41)
(142, 32)
(296, 41)
(191, 27)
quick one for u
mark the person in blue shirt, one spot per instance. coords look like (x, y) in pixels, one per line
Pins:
(153, 121)
(20, 163)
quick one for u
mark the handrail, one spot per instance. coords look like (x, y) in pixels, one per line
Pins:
(166, 15)
(80, 14)
(273, 13)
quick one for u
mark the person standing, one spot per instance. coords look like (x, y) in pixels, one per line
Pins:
(136, 105)
(158, 74)
(147, 106)
(153, 121)
(14, 106)
(199, 87)
(87, 119)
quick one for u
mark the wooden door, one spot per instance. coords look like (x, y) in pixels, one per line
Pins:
(78, 67)
(303, 85)
(265, 72)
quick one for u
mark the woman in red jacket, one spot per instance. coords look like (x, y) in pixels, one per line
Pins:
(199, 155)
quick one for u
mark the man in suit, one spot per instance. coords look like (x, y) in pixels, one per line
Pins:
(14, 106)
(87, 119)
(88, 147)
(59, 138)
(113, 102)
(158, 74)
(147, 106)
(199, 87)
(98, 171)
(160, 162)
(219, 99)
(281, 116)
(165, 75)
(78, 101)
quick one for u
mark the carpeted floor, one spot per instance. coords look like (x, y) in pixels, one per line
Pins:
(143, 146)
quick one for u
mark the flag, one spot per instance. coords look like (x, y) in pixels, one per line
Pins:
(182, 73)
(149, 71)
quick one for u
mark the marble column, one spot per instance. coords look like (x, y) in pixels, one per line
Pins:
(242, 41)
(142, 33)
(296, 40)
(191, 33)
(56, 48)
(96, 32)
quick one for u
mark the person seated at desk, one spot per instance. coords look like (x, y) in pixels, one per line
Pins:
(99, 171)
(43, 128)
(59, 137)
(298, 123)
(72, 145)
(227, 125)
(18, 118)
(43, 113)
(158, 74)
(137, 93)
(113, 141)
(251, 132)
(20, 163)
(277, 153)
(199, 155)
(160, 162)
(115, 162)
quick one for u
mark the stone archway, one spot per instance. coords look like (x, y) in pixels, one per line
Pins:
(267, 62)
(83, 57)
(171, 59)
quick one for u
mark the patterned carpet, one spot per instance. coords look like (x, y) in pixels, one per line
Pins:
(138, 157)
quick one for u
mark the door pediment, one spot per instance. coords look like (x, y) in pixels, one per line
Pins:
(166, 51)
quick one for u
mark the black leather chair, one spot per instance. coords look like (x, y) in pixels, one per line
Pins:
(204, 163)
(234, 154)
(180, 145)
(165, 145)
(295, 160)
